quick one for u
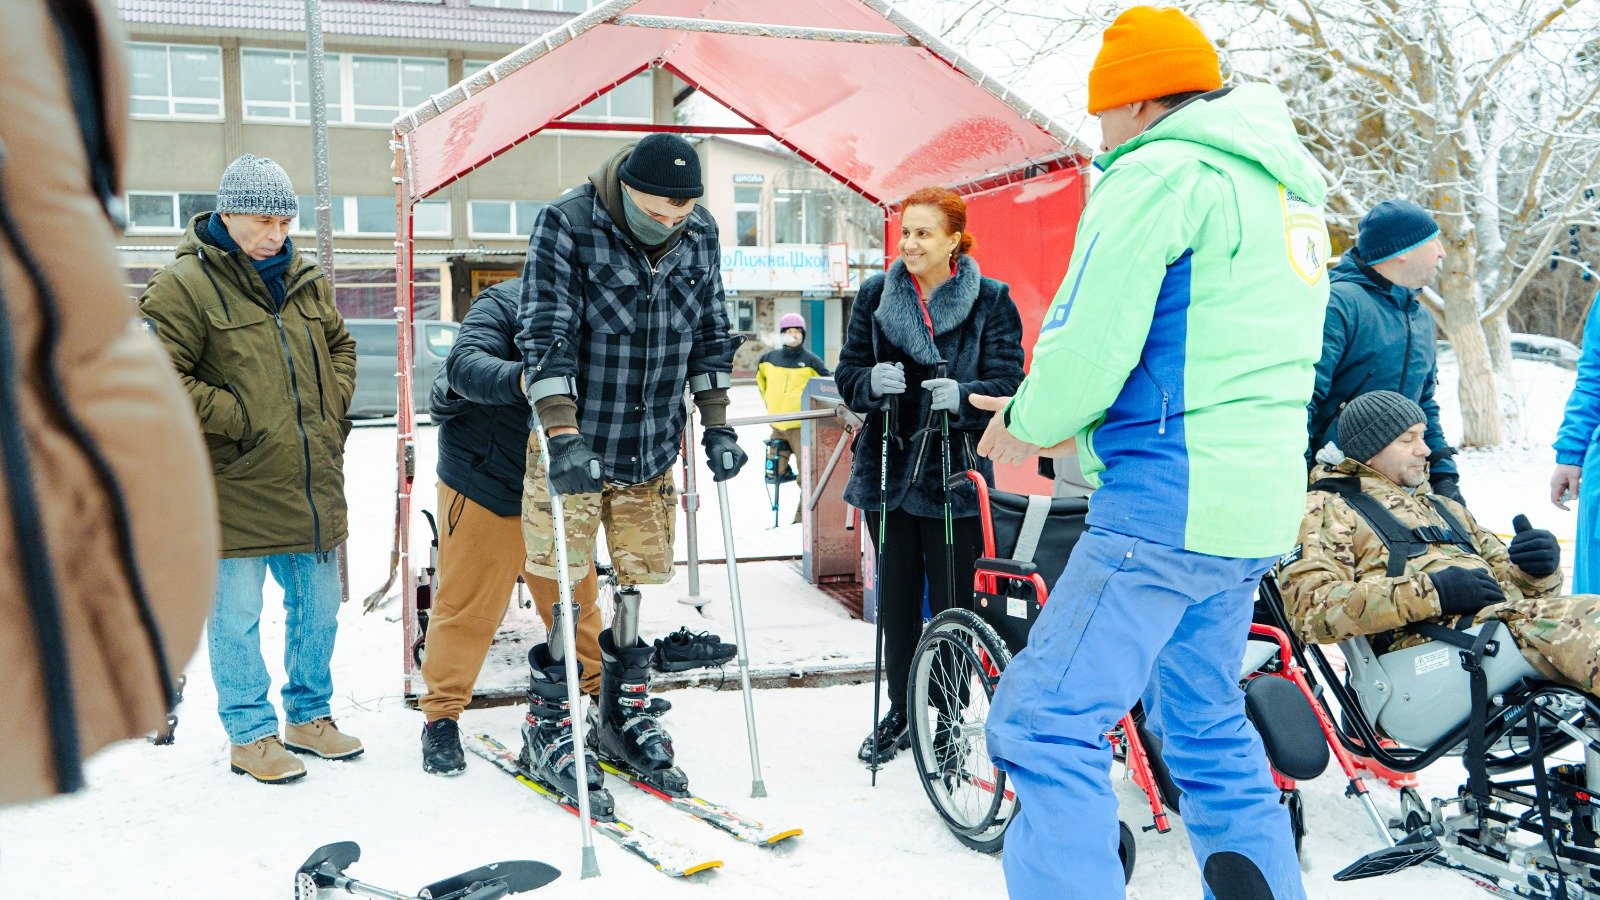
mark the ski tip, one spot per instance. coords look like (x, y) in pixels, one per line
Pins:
(782, 836)
(706, 866)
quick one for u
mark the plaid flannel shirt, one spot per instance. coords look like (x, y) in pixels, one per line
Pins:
(632, 334)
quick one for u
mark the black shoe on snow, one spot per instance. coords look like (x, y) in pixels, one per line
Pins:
(441, 748)
(892, 735)
(683, 650)
(548, 754)
(624, 731)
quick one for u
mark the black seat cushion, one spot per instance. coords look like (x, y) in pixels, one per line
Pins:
(1061, 530)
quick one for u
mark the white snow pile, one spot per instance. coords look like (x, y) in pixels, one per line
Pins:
(173, 822)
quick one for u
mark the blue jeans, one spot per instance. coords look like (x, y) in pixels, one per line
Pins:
(1131, 618)
(311, 592)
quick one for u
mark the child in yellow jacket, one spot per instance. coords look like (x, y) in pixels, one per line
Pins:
(781, 374)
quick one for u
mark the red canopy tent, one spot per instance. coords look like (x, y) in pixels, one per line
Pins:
(852, 86)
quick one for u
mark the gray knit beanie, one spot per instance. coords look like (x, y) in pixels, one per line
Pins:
(255, 185)
(1372, 421)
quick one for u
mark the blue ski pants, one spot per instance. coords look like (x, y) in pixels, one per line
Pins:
(1131, 619)
(1586, 554)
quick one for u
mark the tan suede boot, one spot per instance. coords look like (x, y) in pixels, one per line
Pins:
(322, 737)
(266, 761)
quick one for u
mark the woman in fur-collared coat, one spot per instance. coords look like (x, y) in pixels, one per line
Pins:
(932, 305)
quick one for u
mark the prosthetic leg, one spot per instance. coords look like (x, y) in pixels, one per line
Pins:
(622, 730)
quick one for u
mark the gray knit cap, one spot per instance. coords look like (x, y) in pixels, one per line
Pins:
(1373, 420)
(255, 185)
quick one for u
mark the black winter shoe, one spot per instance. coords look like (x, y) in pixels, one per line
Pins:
(892, 735)
(623, 729)
(683, 650)
(548, 754)
(441, 748)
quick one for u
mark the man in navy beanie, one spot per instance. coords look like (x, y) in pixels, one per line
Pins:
(621, 307)
(1377, 336)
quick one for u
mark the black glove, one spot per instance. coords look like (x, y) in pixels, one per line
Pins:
(722, 453)
(574, 468)
(1533, 550)
(1446, 484)
(1463, 591)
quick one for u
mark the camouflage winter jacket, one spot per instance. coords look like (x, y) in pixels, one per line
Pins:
(1336, 584)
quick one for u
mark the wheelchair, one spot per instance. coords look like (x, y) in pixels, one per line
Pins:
(964, 651)
(1525, 822)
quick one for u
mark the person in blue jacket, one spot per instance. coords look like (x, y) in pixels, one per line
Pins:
(1575, 452)
(1377, 336)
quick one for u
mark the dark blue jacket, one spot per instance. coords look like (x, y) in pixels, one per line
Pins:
(1376, 337)
(978, 332)
(480, 409)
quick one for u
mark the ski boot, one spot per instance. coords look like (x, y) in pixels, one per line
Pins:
(622, 730)
(548, 755)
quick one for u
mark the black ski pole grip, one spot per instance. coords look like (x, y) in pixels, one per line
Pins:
(941, 369)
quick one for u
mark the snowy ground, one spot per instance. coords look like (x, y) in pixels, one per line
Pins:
(172, 822)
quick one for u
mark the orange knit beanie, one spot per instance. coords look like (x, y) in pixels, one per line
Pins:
(1151, 52)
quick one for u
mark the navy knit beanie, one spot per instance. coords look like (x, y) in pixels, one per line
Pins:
(664, 165)
(1373, 420)
(1393, 227)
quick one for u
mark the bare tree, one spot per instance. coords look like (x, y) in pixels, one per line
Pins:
(1485, 111)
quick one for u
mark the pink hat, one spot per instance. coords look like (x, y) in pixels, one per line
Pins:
(792, 320)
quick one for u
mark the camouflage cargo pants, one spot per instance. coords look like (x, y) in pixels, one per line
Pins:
(1560, 636)
(638, 520)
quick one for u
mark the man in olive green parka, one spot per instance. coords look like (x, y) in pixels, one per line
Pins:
(266, 358)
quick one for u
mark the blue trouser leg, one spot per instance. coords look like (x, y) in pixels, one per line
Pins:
(1194, 704)
(1586, 556)
(1115, 610)
(233, 640)
(311, 605)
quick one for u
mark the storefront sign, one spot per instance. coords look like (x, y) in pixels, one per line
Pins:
(784, 267)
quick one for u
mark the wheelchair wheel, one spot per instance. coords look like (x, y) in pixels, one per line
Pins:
(1127, 850)
(953, 675)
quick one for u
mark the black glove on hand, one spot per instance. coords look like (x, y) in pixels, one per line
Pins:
(1533, 550)
(722, 453)
(574, 468)
(1446, 484)
(1464, 591)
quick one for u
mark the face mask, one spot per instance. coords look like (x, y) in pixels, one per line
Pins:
(649, 232)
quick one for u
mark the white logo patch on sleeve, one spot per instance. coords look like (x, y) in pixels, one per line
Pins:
(1305, 233)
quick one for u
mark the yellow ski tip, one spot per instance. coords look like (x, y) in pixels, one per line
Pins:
(709, 864)
(785, 835)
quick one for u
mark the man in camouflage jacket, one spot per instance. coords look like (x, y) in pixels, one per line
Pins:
(1337, 584)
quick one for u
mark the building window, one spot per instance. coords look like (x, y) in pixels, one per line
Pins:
(502, 218)
(178, 81)
(802, 216)
(361, 89)
(374, 216)
(747, 216)
(631, 101)
(742, 316)
(165, 212)
(572, 6)
(276, 86)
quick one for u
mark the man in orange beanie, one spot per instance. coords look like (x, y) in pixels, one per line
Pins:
(1204, 233)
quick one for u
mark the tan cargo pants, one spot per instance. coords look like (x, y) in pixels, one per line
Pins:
(480, 557)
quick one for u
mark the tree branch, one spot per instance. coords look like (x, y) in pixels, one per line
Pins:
(1514, 292)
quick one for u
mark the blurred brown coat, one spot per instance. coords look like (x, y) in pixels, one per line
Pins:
(118, 577)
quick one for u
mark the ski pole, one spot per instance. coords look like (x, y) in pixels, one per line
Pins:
(758, 787)
(940, 370)
(569, 636)
(877, 590)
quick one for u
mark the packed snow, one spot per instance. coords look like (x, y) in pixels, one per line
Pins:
(173, 822)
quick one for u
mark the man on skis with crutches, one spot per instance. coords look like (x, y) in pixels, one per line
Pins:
(622, 305)
(1179, 354)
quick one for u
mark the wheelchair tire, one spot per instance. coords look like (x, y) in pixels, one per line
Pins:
(1127, 850)
(954, 671)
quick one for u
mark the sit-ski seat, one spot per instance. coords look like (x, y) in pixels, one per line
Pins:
(1420, 694)
(1025, 536)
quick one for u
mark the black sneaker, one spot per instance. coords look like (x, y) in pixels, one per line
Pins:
(892, 735)
(441, 748)
(683, 650)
